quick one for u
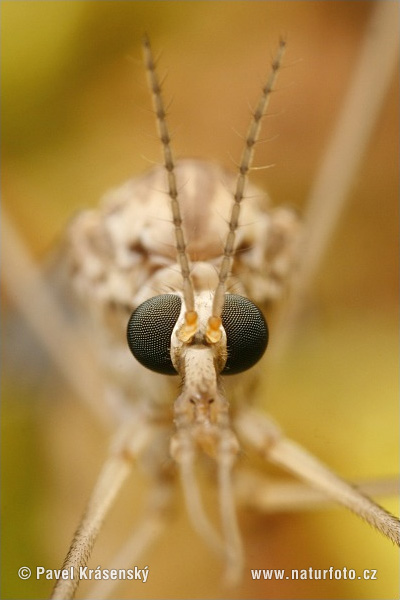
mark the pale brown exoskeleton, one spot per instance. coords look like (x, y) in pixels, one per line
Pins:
(191, 313)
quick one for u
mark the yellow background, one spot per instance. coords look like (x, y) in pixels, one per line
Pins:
(76, 122)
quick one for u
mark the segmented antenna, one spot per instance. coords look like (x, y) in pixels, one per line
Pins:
(244, 167)
(165, 139)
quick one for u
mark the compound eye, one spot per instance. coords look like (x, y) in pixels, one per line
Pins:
(149, 332)
(246, 332)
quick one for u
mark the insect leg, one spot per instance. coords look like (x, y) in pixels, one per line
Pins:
(227, 453)
(113, 475)
(183, 451)
(131, 440)
(143, 535)
(362, 106)
(272, 496)
(34, 299)
(261, 433)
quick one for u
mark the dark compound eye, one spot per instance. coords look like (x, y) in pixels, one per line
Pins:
(151, 324)
(246, 332)
(149, 332)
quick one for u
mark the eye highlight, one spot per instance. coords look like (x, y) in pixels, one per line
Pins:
(149, 332)
(246, 332)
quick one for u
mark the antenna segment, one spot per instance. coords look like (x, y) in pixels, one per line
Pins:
(244, 167)
(169, 165)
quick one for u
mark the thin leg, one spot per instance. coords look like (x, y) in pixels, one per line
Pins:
(113, 475)
(216, 439)
(232, 537)
(265, 436)
(34, 299)
(270, 495)
(361, 109)
(131, 440)
(183, 451)
(141, 539)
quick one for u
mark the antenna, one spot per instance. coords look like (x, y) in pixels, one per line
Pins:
(252, 136)
(169, 165)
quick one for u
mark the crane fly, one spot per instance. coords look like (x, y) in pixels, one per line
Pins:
(179, 268)
(156, 271)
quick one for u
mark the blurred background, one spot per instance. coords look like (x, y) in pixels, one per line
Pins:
(76, 121)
